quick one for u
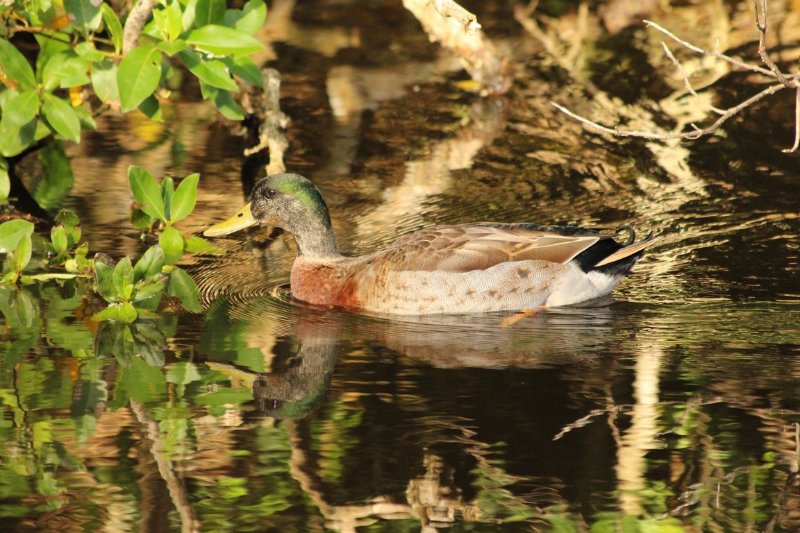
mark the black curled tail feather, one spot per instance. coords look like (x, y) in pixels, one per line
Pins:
(631, 234)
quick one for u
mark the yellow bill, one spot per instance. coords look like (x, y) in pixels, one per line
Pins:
(241, 220)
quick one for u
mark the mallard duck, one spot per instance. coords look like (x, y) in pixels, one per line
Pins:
(467, 268)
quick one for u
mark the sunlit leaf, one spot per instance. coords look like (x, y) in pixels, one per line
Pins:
(167, 191)
(198, 245)
(103, 275)
(138, 76)
(22, 255)
(12, 232)
(225, 396)
(172, 47)
(65, 69)
(85, 14)
(16, 138)
(147, 192)
(87, 51)
(104, 81)
(185, 289)
(113, 26)
(21, 108)
(171, 242)
(184, 199)
(122, 278)
(150, 290)
(223, 41)
(5, 180)
(61, 117)
(58, 236)
(223, 101)
(249, 19)
(209, 12)
(245, 68)
(183, 373)
(15, 67)
(149, 264)
(211, 71)
(120, 312)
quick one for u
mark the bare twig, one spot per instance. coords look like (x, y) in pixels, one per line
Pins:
(761, 26)
(457, 30)
(690, 135)
(448, 8)
(772, 72)
(274, 122)
(719, 55)
(796, 122)
(135, 24)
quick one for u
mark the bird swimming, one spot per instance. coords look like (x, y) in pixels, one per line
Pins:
(465, 268)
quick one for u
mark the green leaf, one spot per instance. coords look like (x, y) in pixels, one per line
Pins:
(85, 118)
(209, 12)
(124, 312)
(149, 264)
(146, 191)
(172, 48)
(104, 81)
(61, 117)
(138, 76)
(16, 138)
(183, 286)
(58, 236)
(65, 69)
(184, 199)
(5, 180)
(88, 52)
(15, 67)
(12, 232)
(174, 20)
(149, 290)
(151, 108)
(223, 101)
(122, 278)
(22, 255)
(245, 68)
(103, 275)
(225, 396)
(21, 108)
(57, 177)
(221, 40)
(85, 14)
(211, 71)
(113, 26)
(198, 245)
(167, 192)
(247, 20)
(171, 242)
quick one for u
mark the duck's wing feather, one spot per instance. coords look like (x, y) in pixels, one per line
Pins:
(471, 247)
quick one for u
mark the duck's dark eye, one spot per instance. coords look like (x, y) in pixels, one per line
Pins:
(271, 193)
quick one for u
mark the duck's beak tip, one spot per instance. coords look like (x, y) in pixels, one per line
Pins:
(241, 220)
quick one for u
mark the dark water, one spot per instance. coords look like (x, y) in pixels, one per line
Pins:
(673, 407)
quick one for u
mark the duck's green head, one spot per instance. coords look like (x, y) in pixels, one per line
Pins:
(287, 201)
(283, 200)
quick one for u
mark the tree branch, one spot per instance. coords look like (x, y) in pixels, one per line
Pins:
(135, 24)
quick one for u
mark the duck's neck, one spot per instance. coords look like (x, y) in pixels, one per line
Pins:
(316, 241)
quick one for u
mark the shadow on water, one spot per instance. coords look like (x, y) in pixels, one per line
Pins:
(673, 407)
